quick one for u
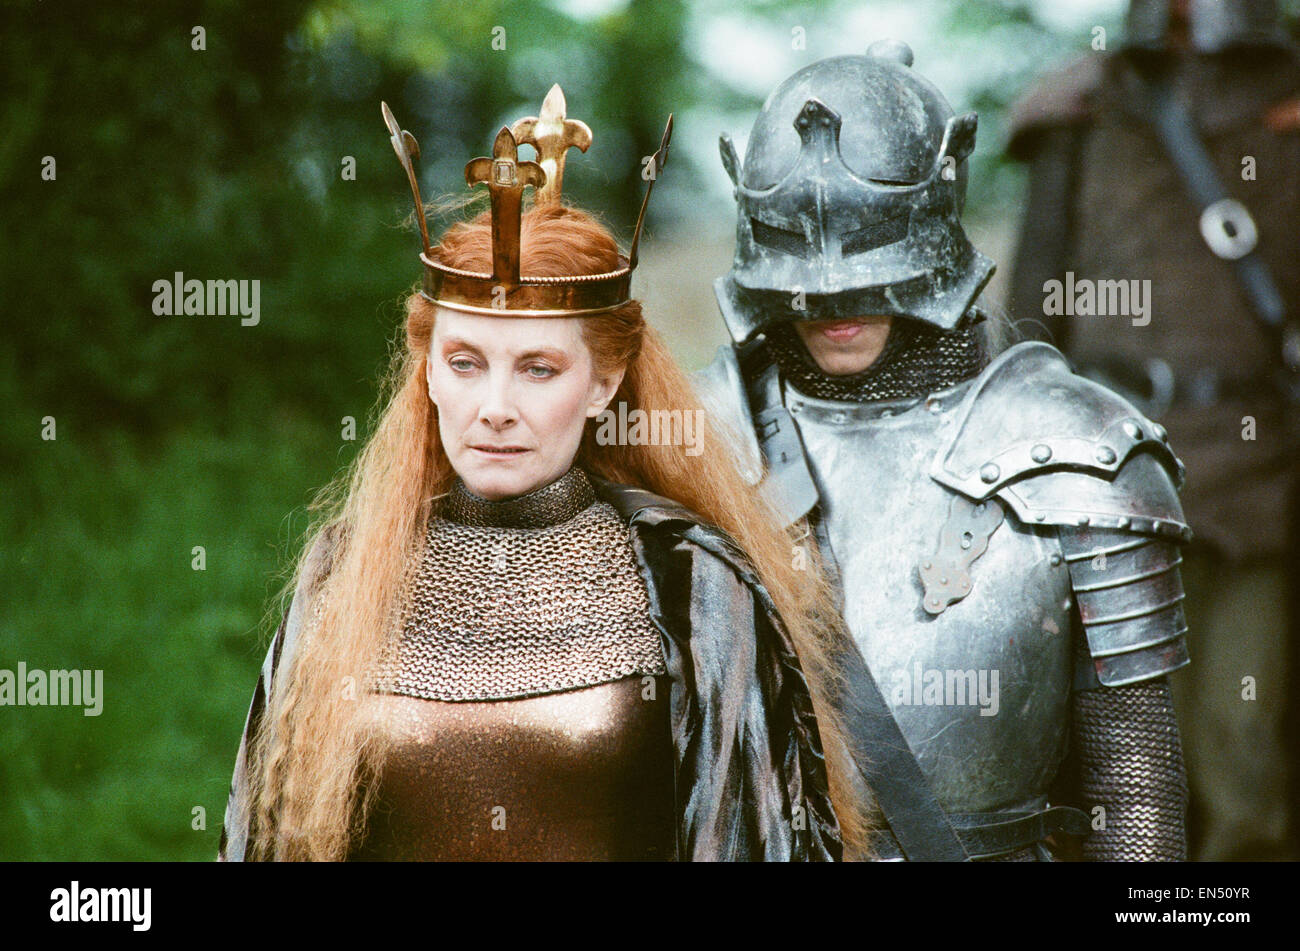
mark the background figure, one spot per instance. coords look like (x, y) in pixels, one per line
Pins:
(1107, 202)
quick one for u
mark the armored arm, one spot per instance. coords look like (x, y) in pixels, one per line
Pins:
(1123, 729)
(1131, 765)
(1049, 126)
(1073, 457)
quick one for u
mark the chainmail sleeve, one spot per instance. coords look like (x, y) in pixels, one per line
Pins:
(1131, 765)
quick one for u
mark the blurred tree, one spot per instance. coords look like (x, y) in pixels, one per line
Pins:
(226, 162)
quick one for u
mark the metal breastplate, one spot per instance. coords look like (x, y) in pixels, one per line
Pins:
(979, 678)
(522, 708)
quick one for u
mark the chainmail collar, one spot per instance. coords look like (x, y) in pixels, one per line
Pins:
(917, 360)
(499, 613)
(552, 504)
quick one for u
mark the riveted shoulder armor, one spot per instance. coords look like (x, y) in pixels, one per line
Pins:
(1061, 450)
(721, 389)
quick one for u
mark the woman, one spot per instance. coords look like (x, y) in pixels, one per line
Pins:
(514, 640)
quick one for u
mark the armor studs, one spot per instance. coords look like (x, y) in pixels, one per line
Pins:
(1041, 453)
(990, 473)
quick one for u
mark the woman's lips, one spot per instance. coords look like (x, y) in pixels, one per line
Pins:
(843, 329)
(500, 452)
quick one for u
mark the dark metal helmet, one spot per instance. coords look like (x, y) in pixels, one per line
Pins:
(1213, 25)
(850, 200)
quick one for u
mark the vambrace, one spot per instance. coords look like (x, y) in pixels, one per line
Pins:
(1129, 597)
(1131, 765)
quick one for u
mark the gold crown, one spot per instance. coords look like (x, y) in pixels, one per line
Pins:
(506, 177)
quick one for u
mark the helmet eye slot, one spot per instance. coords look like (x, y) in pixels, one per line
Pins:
(787, 242)
(874, 235)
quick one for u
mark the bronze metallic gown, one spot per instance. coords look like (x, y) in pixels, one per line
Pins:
(524, 714)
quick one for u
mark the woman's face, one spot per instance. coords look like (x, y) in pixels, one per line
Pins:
(513, 395)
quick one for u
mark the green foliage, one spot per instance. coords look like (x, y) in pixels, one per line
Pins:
(99, 537)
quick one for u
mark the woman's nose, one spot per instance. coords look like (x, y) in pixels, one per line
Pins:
(499, 408)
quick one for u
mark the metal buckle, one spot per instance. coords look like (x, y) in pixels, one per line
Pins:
(1228, 229)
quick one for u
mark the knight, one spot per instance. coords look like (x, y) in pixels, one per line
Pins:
(990, 522)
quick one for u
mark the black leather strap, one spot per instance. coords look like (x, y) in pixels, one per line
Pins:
(919, 824)
(987, 834)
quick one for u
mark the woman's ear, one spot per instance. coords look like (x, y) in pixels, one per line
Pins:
(602, 391)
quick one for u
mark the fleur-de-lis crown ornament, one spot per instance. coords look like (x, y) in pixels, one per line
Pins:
(505, 291)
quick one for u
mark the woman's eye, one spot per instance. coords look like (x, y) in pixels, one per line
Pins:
(461, 364)
(538, 372)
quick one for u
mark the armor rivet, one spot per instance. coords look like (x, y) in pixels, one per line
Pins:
(965, 585)
(990, 472)
(926, 566)
(943, 582)
(966, 539)
(1055, 559)
(1132, 430)
(1040, 516)
(1106, 455)
(1041, 453)
(838, 417)
(934, 406)
(1161, 433)
(1122, 523)
(1157, 527)
(1083, 520)
(886, 413)
(796, 406)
